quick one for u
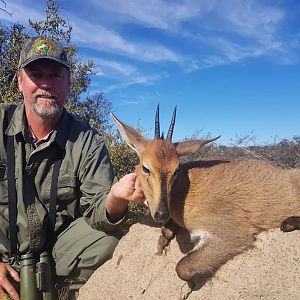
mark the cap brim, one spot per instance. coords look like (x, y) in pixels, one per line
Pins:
(27, 62)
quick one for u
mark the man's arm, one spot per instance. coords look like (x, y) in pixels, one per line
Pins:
(104, 199)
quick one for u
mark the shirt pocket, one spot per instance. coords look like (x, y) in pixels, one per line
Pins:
(67, 189)
(4, 182)
(3, 201)
(3, 194)
(3, 185)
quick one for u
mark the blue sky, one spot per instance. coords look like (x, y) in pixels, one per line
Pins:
(231, 67)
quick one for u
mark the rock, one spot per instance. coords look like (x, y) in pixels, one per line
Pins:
(268, 271)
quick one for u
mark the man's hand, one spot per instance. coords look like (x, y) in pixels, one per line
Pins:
(125, 190)
(5, 285)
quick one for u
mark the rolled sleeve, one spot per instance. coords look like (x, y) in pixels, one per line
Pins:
(96, 180)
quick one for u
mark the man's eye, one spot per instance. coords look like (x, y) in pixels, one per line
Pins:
(145, 170)
(35, 75)
(57, 75)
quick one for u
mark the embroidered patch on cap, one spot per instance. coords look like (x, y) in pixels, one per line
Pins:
(42, 47)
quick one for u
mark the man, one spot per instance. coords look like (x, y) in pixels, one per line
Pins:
(68, 201)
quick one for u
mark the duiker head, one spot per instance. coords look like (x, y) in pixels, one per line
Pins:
(159, 163)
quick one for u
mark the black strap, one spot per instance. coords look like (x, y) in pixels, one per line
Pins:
(4, 241)
(53, 192)
(12, 193)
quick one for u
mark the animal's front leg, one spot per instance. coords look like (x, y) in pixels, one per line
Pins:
(167, 234)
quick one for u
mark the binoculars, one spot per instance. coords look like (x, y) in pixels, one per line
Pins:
(36, 278)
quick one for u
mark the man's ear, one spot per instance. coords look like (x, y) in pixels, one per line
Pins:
(69, 82)
(69, 87)
(20, 81)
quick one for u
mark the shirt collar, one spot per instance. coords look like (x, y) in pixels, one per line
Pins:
(59, 134)
(16, 124)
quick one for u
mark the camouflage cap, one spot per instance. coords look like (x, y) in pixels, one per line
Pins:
(40, 47)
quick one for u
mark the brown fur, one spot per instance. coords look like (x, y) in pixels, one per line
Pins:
(226, 202)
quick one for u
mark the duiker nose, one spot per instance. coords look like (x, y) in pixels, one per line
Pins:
(161, 216)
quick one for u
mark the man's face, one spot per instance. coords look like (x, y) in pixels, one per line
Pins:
(45, 85)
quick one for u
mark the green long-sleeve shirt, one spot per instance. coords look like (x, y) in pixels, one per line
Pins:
(85, 178)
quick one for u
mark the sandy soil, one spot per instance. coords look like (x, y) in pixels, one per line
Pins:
(269, 271)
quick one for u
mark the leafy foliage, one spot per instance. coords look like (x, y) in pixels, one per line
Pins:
(54, 26)
(96, 111)
(11, 40)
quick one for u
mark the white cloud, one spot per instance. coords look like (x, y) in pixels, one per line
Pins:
(95, 36)
(154, 13)
(232, 29)
(108, 67)
(139, 80)
(243, 17)
(250, 18)
(234, 52)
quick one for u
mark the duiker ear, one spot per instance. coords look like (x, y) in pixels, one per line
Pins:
(192, 146)
(131, 136)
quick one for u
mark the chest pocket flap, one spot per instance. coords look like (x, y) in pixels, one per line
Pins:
(67, 189)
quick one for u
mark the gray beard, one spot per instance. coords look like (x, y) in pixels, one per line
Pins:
(50, 113)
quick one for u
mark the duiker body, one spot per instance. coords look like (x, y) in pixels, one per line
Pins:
(222, 202)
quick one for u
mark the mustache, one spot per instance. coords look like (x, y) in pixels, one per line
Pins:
(44, 94)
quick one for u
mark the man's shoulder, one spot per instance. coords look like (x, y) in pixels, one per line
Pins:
(79, 123)
(82, 128)
(5, 106)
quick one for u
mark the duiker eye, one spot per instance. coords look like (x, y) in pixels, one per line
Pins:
(145, 170)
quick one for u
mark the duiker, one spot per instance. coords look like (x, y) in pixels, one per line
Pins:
(222, 202)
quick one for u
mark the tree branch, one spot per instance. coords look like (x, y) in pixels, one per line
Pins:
(4, 9)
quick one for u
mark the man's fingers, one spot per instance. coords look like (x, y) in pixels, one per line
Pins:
(2, 294)
(129, 179)
(8, 287)
(5, 285)
(13, 273)
(138, 196)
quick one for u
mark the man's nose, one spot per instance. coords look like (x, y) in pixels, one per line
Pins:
(45, 83)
